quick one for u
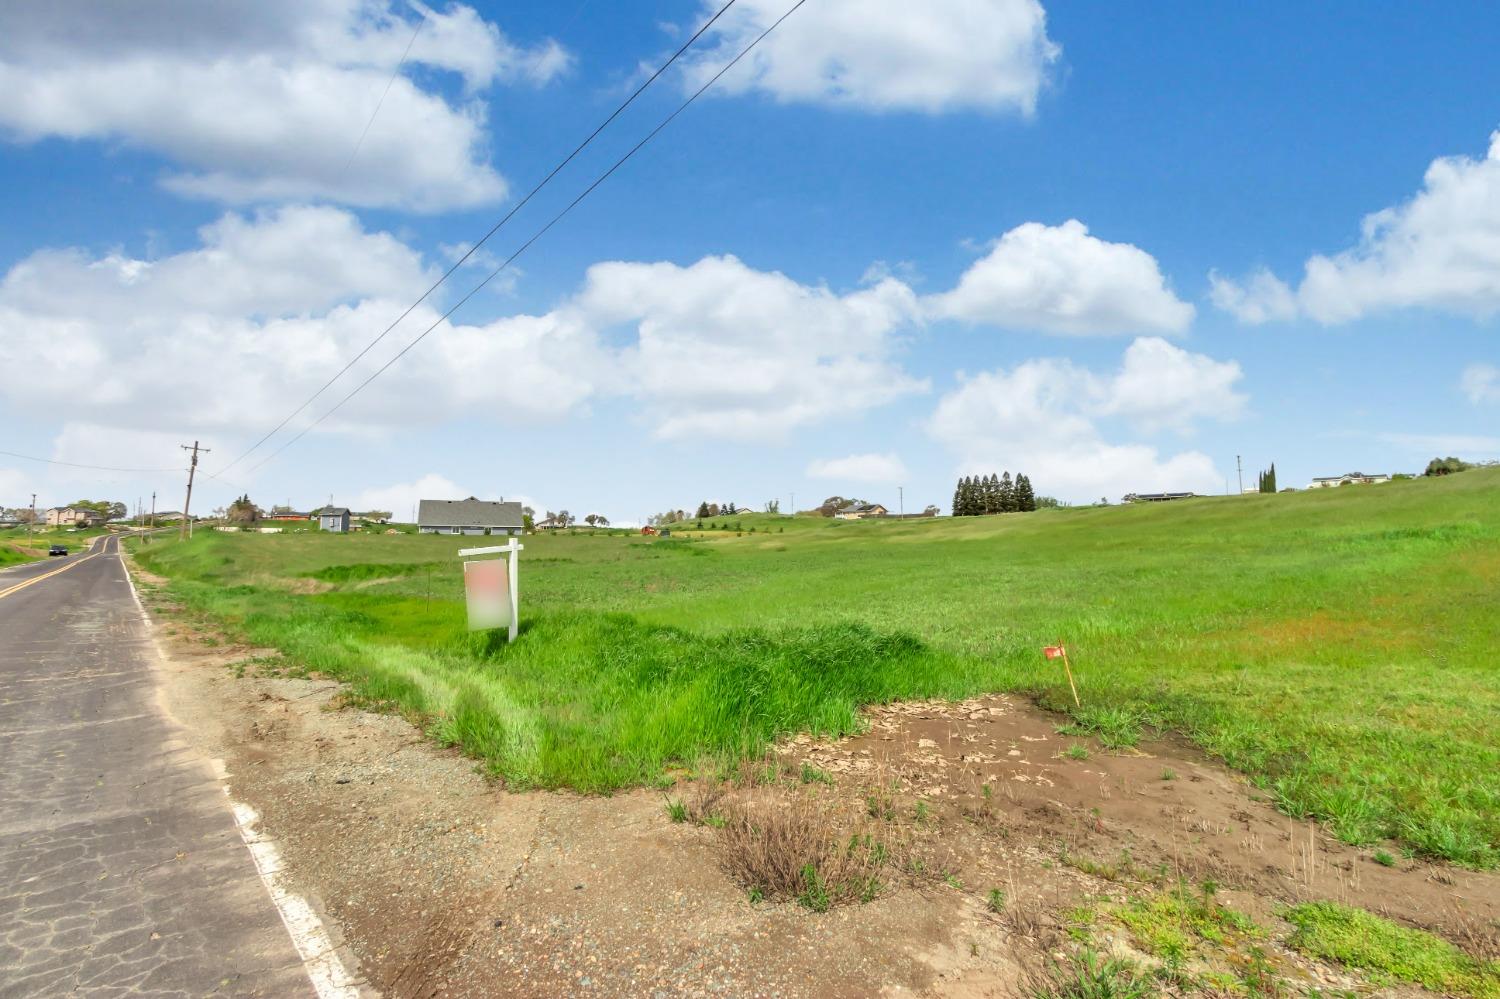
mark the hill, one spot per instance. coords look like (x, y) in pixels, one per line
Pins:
(1334, 645)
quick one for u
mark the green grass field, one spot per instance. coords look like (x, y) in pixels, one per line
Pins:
(15, 547)
(1337, 646)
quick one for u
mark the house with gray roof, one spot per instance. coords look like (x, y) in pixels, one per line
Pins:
(334, 518)
(469, 516)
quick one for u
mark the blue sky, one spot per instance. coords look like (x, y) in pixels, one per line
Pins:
(1110, 247)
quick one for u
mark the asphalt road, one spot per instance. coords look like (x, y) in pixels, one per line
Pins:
(121, 868)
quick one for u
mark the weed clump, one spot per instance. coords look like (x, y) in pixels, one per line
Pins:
(1388, 952)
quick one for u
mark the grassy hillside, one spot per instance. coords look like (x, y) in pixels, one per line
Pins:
(1337, 645)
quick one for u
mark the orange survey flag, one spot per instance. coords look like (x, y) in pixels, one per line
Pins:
(1053, 651)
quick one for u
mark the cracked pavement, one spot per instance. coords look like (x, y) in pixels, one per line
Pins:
(121, 869)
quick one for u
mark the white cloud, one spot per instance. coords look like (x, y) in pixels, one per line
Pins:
(1042, 418)
(1263, 298)
(401, 498)
(266, 101)
(229, 337)
(1060, 279)
(15, 488)
(726, 351)
(1481, 383)
(1440, 250)
(875, 469)
(885, 55)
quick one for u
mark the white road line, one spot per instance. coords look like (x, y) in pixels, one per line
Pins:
(319, 959)
(329, 978)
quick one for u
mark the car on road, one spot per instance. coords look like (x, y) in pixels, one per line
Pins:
(57, 550)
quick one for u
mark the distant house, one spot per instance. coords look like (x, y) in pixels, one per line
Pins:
(71, 516)
(859, 511)
(469, 516)
(287, 515)
(550, 524)
(334, 518)
(167, 516)
(1155, 497)
(1347, 479)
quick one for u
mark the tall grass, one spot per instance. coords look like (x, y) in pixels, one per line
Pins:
(1338, 646)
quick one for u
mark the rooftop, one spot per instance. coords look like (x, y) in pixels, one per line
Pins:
(469, 512)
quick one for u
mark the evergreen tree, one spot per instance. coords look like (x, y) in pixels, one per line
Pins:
(1007, 502)
(1271, 479)
(991, 494)
(971, 495)
(957, 509)
(1025, 498)
(703, 510)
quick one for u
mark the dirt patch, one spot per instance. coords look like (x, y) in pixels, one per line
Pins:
(1163, 805)
(439, 882)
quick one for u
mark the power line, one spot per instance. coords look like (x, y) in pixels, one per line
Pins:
(92, 468)
(388, 84)
(493, 229)
(538, 234)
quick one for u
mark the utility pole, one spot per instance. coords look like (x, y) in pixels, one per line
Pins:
(901, 493)
(31, 524)
(793, 510)
(187, 516)
(1241, 473)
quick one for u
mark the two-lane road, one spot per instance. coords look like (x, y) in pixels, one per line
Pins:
(121, 867)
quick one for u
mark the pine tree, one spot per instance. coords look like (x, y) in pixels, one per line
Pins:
(1007, 502)
(966, 496)
(1271, 479)
(992, 494)
(1025, 498)
(957, 509)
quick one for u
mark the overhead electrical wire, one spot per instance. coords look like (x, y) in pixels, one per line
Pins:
(92, 468)
(538, 234)
(473, 249)
(383, 95)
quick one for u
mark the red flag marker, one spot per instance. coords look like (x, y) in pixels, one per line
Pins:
(1060, 651)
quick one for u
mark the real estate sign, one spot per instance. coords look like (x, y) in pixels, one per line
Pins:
(490, 588)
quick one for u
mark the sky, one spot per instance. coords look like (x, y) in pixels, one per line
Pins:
(1118, 248)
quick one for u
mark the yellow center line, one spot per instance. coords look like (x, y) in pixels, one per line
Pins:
(48, 575)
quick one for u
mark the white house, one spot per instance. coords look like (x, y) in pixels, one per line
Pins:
(1348, 478)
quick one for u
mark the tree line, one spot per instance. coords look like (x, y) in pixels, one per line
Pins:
(976, 495)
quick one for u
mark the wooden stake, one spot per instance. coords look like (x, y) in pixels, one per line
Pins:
(1069, 669)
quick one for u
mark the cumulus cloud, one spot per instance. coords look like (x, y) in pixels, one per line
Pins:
(270, 306)
(885, 55)
(875, 469)
(725, 351)
(262, 102)
(261, 315)
(1042, 417)
(1481, 383)
(1060, 279)
(1440, 250)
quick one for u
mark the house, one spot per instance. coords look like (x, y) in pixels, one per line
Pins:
(1349, 478)
(287, 515)
(334, 518)
(469, 516)
(71, 516)
(550, 524)
(859, 511)
(1155, 497)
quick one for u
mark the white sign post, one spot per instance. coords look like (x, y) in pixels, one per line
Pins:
(490, 588)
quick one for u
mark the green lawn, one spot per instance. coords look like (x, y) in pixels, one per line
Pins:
(1338, 645)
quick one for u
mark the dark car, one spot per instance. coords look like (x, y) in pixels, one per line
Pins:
(57, 550)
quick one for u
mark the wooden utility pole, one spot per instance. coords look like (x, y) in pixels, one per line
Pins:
(188, 503)
(31, 524)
